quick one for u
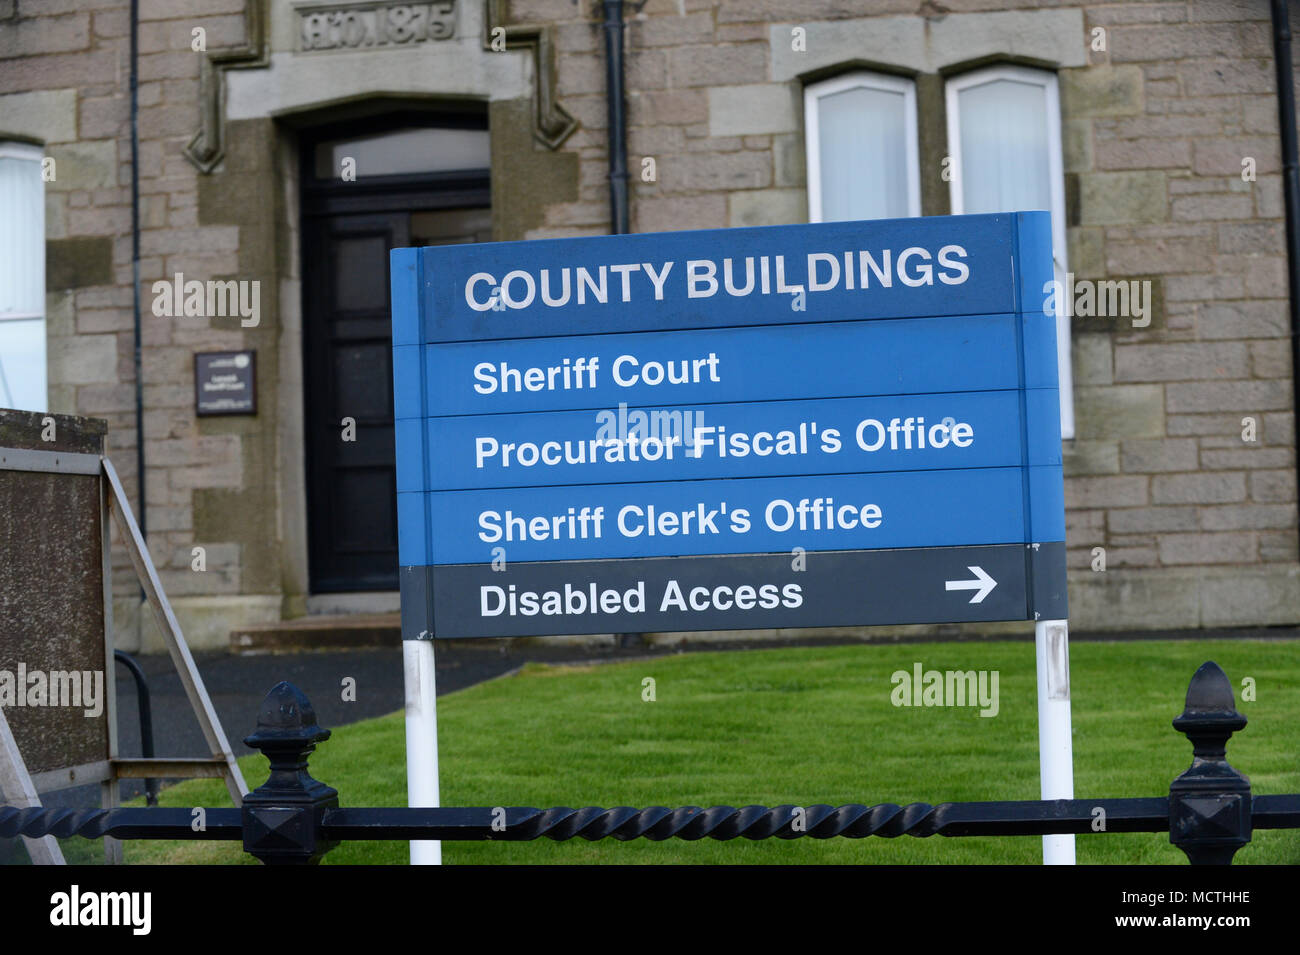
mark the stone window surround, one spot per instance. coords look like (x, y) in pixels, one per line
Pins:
(931, 52)
(934, 127)
(927, 50)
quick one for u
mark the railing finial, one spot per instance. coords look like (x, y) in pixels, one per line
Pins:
(1210, 803)
(282, 817)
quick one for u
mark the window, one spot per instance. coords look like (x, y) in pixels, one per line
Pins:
(22, 278)
(1004, 136)
(861, 147)
(405, 151)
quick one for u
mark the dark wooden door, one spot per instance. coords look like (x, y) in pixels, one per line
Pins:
(352, 510)
(347, 331)
(348, 380)
(420, 180)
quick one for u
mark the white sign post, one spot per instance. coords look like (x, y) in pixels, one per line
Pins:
(421, 740)
(1055, 746)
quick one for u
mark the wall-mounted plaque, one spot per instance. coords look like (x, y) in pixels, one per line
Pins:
(225, 382)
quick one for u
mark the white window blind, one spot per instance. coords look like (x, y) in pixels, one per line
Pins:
(22, 278)
(861, 148)
(1004, 136)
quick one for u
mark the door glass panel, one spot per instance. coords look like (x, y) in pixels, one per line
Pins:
(451, 226)
(404, 151)
(361, 273)
(365, 509)
(362, 373)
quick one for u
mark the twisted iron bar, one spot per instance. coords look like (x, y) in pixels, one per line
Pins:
(656, 823)
(819, 821)
(120, 823)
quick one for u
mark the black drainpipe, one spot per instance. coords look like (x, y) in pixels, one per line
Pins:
(1290, 194)
(618, 213)
(141, 517)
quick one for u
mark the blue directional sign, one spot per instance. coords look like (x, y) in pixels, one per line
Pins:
(844, 423)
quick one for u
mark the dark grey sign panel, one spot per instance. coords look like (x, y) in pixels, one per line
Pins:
(52, 608)
(748, 591)
(225, 383)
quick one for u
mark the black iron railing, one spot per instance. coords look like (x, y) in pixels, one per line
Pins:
(295, 819)
(144, 706)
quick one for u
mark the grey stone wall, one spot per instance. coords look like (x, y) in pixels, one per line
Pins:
(1197, 524)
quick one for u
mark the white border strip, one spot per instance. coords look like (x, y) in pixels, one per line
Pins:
(57, 462)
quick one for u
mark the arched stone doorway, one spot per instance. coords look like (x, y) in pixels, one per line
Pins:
(367, 186)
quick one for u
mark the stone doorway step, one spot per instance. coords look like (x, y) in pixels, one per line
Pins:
(320, 632)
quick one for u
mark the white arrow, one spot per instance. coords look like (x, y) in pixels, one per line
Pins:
(982, 583)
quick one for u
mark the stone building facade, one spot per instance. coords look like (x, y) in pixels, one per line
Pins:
(1181, 468)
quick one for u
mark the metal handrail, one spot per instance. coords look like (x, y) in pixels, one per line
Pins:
(145, 707)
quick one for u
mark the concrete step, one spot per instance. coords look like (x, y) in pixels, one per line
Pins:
(320, 632)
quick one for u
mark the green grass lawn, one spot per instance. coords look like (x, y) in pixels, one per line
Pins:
(801, 726)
